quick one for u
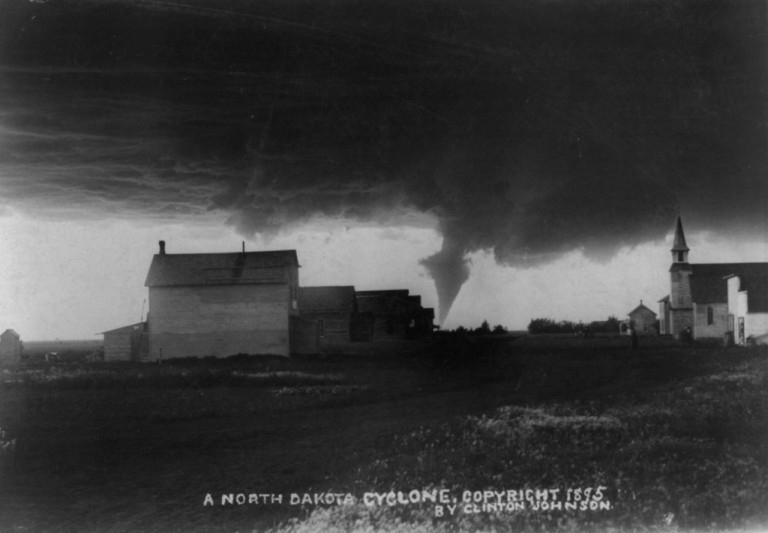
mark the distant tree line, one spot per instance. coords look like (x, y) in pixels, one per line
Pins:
(547, 325)
(484, 329)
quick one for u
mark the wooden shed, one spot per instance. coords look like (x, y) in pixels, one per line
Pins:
(128, 343)
(10, 348)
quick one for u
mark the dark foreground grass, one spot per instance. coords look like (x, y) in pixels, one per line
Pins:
(677, 437)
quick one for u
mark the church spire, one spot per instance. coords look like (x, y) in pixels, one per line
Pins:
(679, 247)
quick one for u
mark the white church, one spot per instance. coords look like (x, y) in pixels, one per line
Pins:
(715, 298)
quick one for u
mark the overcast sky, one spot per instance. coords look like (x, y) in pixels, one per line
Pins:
(504, 159)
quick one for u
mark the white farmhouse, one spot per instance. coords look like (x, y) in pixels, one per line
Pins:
(221, 304)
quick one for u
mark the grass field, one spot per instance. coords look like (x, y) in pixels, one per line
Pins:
(665, 438)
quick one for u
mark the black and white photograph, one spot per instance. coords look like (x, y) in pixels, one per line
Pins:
(438, 266)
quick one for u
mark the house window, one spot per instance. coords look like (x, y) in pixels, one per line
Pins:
(710, 316)
(730, 322)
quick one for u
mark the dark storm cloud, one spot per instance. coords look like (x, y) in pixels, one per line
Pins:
(529, 128)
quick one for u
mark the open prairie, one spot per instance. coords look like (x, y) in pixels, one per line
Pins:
(460, 434)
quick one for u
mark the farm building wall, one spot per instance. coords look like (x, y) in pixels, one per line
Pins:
(219, 320)
(702, 328)
(361, 328)
(304, 336)
(740, 318)
(129, 343)
(384, 328)
(10, 348)
(664, 316)
(331, 309)
(333, 327)
(390, 315)
(733, 297)
(755, 325)
(292, 272)
(117, 346)
(644, 321)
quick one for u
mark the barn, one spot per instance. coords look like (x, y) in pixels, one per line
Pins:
(10, 348)
(221, 304)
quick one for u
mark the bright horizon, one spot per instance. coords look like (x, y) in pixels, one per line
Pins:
(73, 280)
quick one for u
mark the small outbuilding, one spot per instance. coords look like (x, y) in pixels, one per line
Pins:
(10, 348)
(643, 320)
(128, 343)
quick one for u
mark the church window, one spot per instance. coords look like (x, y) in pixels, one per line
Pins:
(710, 316)
(680, 256)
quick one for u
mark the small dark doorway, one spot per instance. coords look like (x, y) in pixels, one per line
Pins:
(741, 330)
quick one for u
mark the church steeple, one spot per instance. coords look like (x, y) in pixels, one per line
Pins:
(679, 247)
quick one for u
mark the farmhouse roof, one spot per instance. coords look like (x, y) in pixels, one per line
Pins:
(220, 269)
(10, 332)
(640, 309)
(707, 279)
(327, 298)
